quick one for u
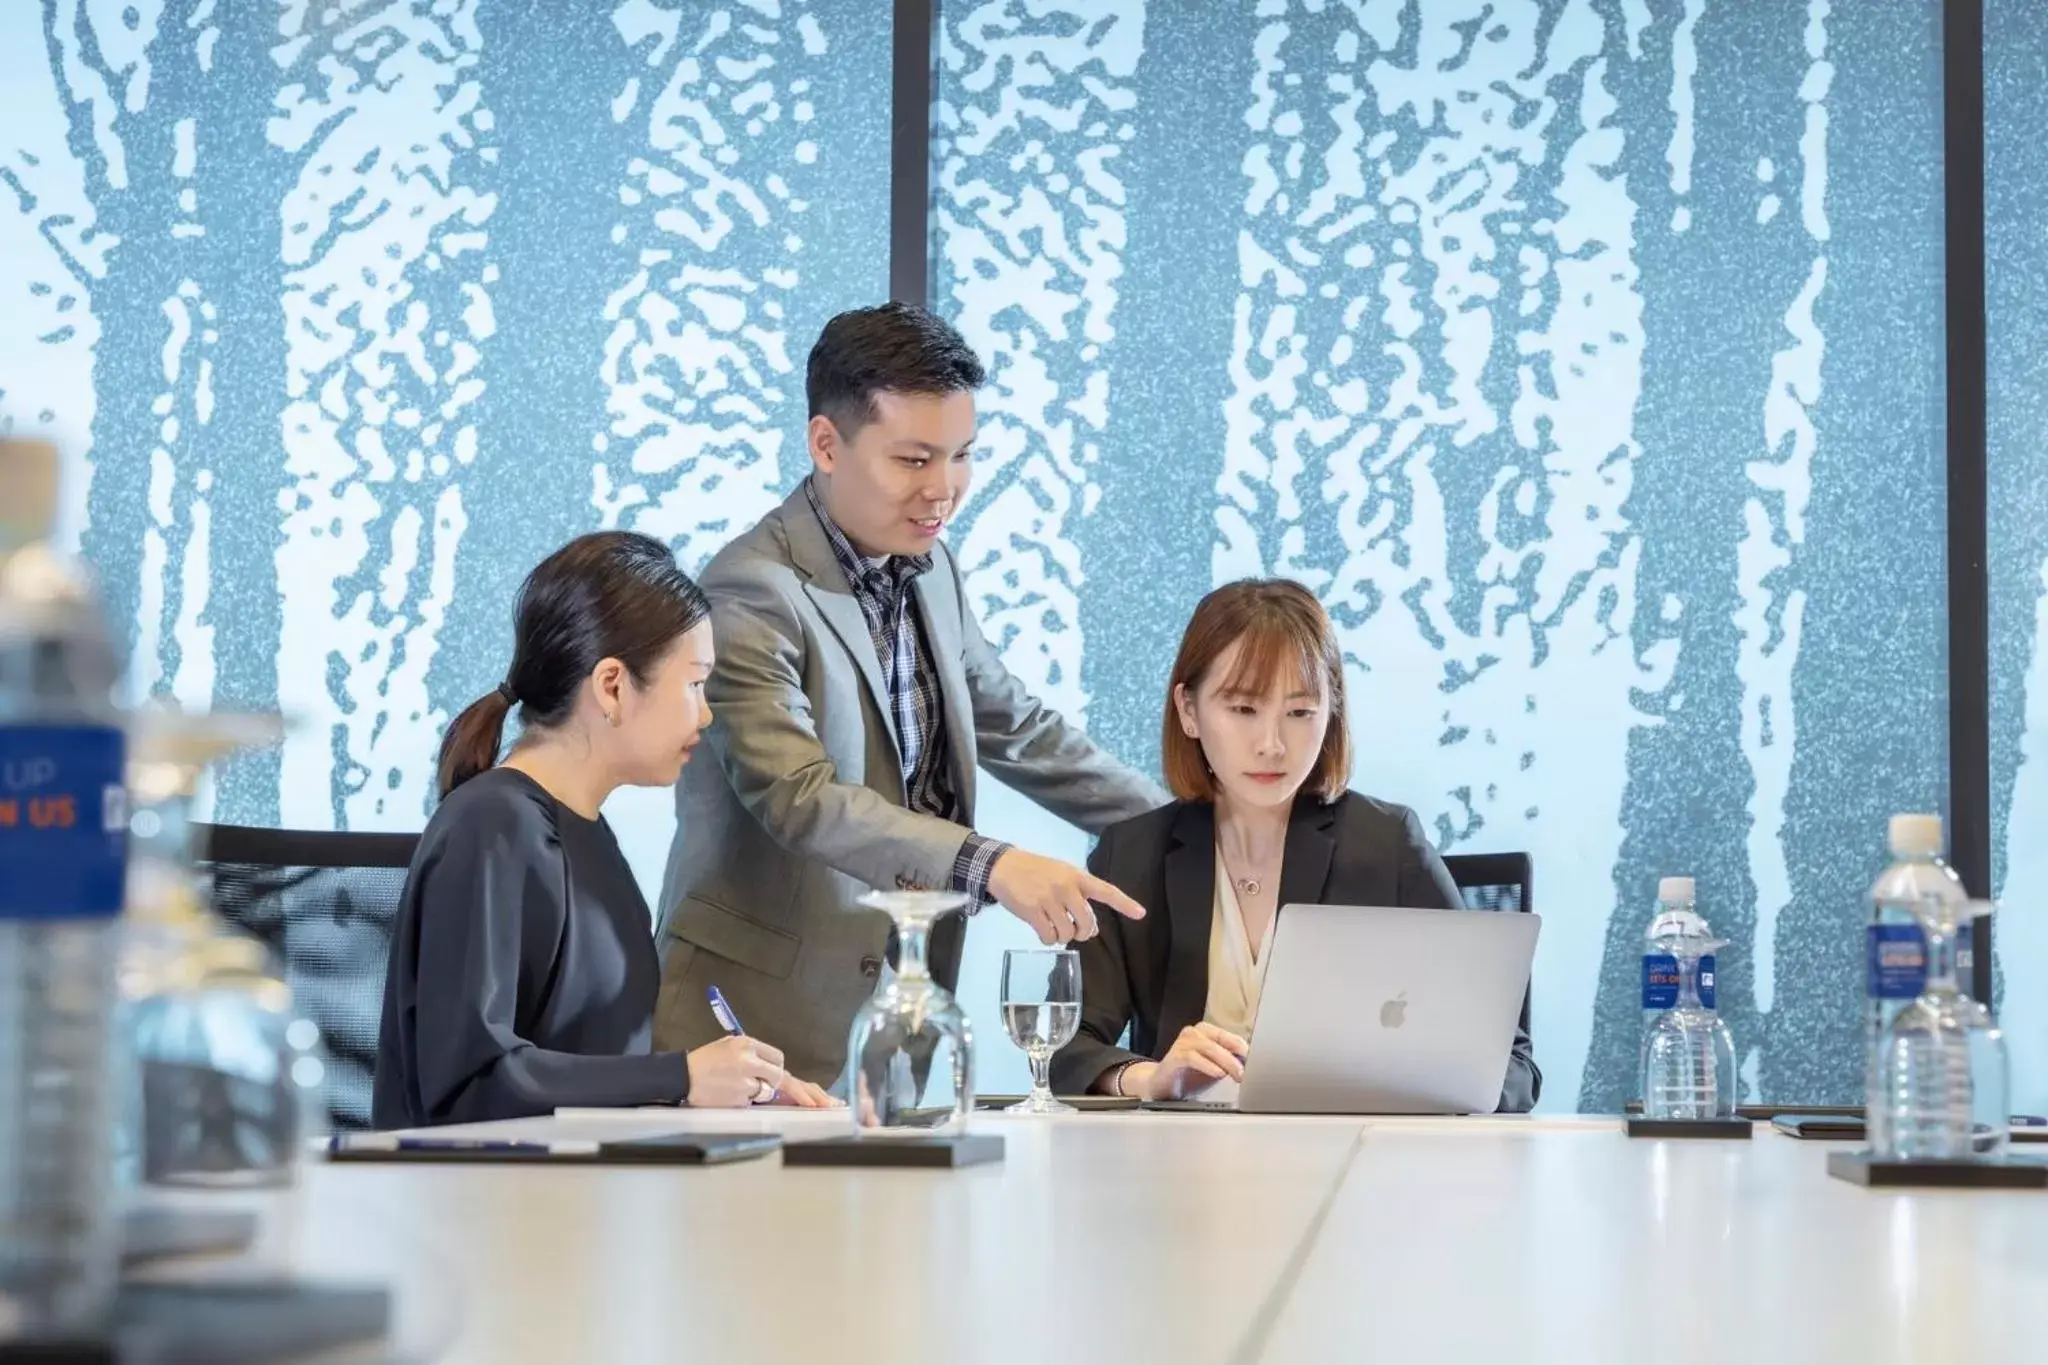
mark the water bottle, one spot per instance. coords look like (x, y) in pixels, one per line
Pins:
(1688, 1060)
(1677, 918)
(1943, 1058)
(1896, 953)
(62, 863)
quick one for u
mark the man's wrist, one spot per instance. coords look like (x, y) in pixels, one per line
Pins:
(974, 865)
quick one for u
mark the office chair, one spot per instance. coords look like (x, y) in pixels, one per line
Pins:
(1496, 881)
(324, 902)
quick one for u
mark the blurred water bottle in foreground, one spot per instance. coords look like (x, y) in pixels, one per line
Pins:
(63, 849)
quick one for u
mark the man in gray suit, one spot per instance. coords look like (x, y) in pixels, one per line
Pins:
(853, 699)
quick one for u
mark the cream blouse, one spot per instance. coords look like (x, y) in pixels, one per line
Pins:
(1237, 971)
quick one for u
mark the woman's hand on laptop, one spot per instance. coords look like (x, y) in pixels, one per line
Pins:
(1200, 1057)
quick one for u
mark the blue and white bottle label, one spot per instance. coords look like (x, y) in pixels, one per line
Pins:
(1660, 981)
(1706, 981)
(63, 822)
(1898, 961)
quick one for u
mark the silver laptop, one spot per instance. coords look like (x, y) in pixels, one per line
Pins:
(1370, 1010)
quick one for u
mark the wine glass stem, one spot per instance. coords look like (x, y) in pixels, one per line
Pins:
(910, 949)
(1688, 981)
(1041, 1069)
(1941, 959)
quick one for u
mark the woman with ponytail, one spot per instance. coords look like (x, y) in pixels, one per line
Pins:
(523, 973)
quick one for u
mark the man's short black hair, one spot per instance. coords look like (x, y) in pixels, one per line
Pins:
(893, 348)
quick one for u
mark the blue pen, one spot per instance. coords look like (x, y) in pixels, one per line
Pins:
(728, 1021)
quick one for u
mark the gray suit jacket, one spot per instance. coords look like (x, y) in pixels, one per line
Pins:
(796, 810)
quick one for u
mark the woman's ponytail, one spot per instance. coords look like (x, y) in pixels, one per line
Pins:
(473, 740)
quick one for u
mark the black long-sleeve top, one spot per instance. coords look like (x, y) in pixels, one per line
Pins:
(523, 972)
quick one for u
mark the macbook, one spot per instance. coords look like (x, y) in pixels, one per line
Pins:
(1371, 1010)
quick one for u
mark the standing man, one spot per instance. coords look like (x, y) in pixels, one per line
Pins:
(853, 699)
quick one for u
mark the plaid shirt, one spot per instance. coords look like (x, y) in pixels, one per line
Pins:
(883, 589)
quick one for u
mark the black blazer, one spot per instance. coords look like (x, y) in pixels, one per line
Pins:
(1153, 974)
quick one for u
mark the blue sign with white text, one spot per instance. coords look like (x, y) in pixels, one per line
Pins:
(1660, 981)
(63, 822)
(1898, 961)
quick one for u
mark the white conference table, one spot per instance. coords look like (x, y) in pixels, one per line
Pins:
(1183, 1237)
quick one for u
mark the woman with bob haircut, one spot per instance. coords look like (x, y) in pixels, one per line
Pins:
(1256, 747)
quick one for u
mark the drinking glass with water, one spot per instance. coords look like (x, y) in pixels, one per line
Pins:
(1042, 1010)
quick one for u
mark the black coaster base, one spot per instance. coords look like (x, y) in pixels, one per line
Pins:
(59, 1353)
(251, 1322)
(2012, 1173)
(965, 1149)
(1739, 1129)
(155, 1231)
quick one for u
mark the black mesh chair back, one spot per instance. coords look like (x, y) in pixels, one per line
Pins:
(1496, 881)
(324, 902)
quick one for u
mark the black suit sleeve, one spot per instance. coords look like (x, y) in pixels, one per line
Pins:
(1425, 882)
(491, 911)
(1105, 994)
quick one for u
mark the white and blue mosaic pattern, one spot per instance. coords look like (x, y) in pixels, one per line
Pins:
(1585, 355)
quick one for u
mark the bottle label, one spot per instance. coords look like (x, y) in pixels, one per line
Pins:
(63, 822)
(1898, 961)
(1660, 981)
(1706, 981)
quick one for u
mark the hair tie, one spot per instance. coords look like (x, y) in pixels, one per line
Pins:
(505, 691)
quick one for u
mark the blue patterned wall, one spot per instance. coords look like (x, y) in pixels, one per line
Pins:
(2016, 280)
(356, 310)
(1586, 357)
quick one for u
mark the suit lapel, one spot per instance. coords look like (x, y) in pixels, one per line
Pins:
(811, 554)
(1305, 862)
(939, 608)
(1191, 898)
(1191, 911)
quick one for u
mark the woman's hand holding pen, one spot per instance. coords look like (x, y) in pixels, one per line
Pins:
(799, 1093)
(734, 1072)
(787, 1090)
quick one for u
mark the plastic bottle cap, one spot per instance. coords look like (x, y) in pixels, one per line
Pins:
(1675, 891)
(1916, 836)
(28, 492)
